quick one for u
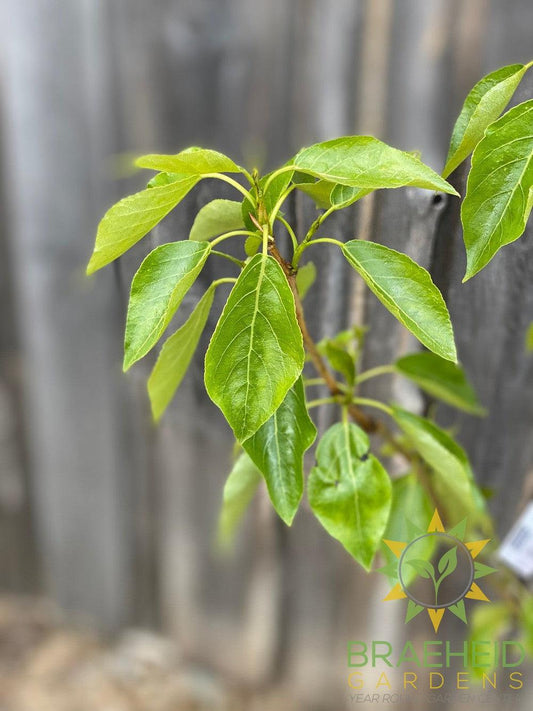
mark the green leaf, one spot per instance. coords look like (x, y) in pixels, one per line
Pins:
(215, 218)
(191, 161)
(305, 278)
(441, 379)
(132, 218)
(411, 509)
(491, 623)
(453, 480)
(408, 291)
(529, 338)
(256, 352)
(350, 492)
(499, 188)
(367, 163)
(252, 244)
(447, 563)
(271, 195)
(344, 195)
(157, 289)
(340, 360)
(422, 567)
(277, 449)
(165, 179)
(176, 355)
(327, 194)
(239, 491)
(319, 191)
(482, 106)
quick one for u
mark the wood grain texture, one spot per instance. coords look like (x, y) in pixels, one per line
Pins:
(125, 513)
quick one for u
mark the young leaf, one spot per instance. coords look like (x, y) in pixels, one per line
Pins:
(252, 244)
(256, 352)
(157, 289)
(215, 218)
(318, 190)
(191, 161)
(271, 195)
(344, 195)
(160, 179)
(482, 106)
(305, 278)
(350, 492)
(239, 491)
(441, 379)
(132, 218)
(408, 291)
(340, 360)
(176, 355)
(453, 479)
(277, 449)
(367, 163)
(327, 194)
(499, 188)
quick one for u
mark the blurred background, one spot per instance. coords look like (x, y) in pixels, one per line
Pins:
(114, 594)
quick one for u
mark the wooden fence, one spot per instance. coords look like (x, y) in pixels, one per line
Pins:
(114, 518)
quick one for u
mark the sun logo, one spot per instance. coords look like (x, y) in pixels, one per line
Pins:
(436, 571)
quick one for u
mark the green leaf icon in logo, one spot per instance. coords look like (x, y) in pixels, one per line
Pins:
(423, 568)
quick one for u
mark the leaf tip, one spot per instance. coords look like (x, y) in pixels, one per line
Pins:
(92, 266)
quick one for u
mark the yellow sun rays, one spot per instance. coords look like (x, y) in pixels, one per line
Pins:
(473, 593)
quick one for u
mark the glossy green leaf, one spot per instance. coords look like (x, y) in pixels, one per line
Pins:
(367, 163)
(176, 355)
(305, 278)
(278, 447)
(482, 106)
(350, 492)
(157, 289)
(132, 218)
(499, 188)
(239, 491)
(256, 353)
(408, 291)
(453, 480)
(441, 379)
(191, 161)
(215, 218)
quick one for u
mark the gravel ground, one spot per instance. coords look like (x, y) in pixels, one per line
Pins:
(49, 665)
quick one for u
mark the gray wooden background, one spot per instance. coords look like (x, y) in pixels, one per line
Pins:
(114, 518)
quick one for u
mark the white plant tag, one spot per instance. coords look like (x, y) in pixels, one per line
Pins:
(516, 550)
